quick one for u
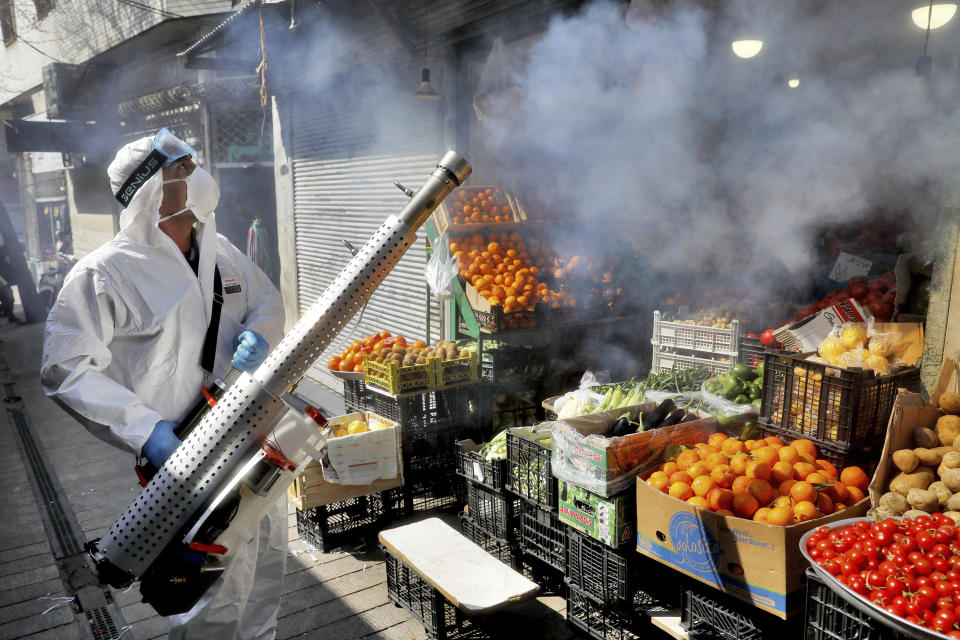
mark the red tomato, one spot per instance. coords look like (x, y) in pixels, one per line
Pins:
(767, 338)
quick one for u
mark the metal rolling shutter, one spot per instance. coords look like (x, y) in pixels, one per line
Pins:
(342, 193)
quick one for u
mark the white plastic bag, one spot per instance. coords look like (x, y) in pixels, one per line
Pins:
(499, 88)
(441, 269)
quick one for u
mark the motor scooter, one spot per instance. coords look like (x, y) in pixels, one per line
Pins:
(51, 279)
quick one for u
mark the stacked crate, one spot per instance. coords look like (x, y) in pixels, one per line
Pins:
(678, 345)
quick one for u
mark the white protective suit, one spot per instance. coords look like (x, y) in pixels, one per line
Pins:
(122, 352)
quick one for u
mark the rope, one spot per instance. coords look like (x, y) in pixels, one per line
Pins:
(258, 250)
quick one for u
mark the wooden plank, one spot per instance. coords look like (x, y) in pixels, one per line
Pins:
(669, 622)
(469, 577)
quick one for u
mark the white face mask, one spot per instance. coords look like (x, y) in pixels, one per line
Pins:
(203, 194)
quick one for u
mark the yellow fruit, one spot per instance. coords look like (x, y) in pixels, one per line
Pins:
(339, 432)
(357, 426)
(880, 347)
(380, 425)
(853, 336)
(832, 348)
(879, 364)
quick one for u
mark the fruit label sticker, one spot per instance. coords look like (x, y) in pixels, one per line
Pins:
(849, 266)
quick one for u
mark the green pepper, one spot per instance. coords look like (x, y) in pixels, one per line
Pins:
(730, 388)
(743, 372)
(760, 370)
(742, 399)
(754, 391)
(750, 431)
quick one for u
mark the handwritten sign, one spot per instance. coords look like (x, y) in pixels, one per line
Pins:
(849, 266)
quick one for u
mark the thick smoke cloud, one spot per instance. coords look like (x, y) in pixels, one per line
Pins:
(711, 159)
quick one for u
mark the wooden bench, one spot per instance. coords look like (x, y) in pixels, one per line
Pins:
(444, 579)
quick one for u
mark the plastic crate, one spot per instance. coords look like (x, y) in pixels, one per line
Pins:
(423, 409)
(708, 613)
(543, 536)
(844, 409)
(328, 526)
(504, 551)
(408, 589)
(529, 475)
(497, 320)
(430, 490)
(678, 335)
(494, 512)
(604, 574)
(429, 448)
(830, 617)
(751, 351)
(514, 365)
(503, 408)
(598, 621)
(356, 397)
(668, 361)
(838, 457)
(447, 372)
(393, 378)
(476, 469)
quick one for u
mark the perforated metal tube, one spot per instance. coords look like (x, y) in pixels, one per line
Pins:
(250, 408)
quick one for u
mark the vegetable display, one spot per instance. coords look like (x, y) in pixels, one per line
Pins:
(740, 385)
(531, 473)
(496, 449)
(763, 480)
(679, 381)
(909, 567)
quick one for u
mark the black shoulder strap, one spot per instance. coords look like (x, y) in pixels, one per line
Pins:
(210, 342)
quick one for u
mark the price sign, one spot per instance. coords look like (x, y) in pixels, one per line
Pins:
(849, 266)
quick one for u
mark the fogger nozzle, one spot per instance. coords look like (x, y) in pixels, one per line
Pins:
(450, 173)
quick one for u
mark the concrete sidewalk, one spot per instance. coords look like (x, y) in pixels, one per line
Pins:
(87, 484)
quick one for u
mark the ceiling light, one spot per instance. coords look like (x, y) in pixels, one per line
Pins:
(939, 15)
(793, 83)
(426, 89)
(746, 48)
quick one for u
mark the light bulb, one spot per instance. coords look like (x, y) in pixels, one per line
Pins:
(793, 83)
(939, 15)
(746, 48)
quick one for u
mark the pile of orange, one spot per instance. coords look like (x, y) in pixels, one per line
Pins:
(351, 358)
(763, 480)
(479, 206)
(502, 268)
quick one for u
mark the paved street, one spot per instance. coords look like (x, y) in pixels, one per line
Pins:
(87, 484)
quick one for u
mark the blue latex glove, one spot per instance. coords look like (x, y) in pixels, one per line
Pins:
(161, 443)
(251, 351)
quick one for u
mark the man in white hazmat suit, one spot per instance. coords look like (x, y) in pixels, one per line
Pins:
(124, 346)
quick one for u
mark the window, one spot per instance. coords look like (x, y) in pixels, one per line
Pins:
(8, 26)
(44, 7)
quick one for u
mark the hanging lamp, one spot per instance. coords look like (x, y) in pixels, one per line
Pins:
(425, 91)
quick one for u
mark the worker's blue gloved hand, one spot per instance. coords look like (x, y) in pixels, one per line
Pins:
(161, 443)
(251, 351)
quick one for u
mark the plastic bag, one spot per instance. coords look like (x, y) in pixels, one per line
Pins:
(718, 405)
(441, 269)
(499, 88)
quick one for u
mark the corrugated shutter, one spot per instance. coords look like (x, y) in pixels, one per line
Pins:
(343, 177)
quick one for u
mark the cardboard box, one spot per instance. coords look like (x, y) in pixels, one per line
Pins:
(807, 334)
(609, 520)
(910, 411)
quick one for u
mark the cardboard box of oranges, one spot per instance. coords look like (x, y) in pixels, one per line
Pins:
(731, 514)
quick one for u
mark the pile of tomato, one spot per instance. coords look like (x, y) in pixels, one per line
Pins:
(351, 358)
(908, 567)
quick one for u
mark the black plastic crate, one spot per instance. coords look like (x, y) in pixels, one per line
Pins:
(514, 365)
(327, 526)
(429, 448)
(408, 589)
(497, 320)
(750, 351)
(495, 512)
(608, 576)
(505, 408)
(504, 551)
(598, 621)
(475, 468)
(530, 475)
(844, 410)
(708, 613)
(356, 397)
(429, 490)
(543, 536)
(838, 457)
(424, 409)
(830, 617)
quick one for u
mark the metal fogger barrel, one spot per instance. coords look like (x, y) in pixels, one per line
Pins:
(147, 541)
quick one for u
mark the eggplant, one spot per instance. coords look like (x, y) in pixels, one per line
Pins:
(690, 417)
(622, 428)
(654, 418)
(674, 418)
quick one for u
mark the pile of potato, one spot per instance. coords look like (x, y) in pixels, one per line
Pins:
(929, 478)
(406, 356)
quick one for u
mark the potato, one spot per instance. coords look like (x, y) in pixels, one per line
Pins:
(896, 502)
(951, 478)
(421, 359)
(464, 353)
(943, 493)
(885, 512)
(953, 515)
(926, 438)
(905, 460)
(951, 460)
(953, 504)
(932, 457)
(950, 402)
(923, 500)
(948, 428)
(915, 513)
(917, 480)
